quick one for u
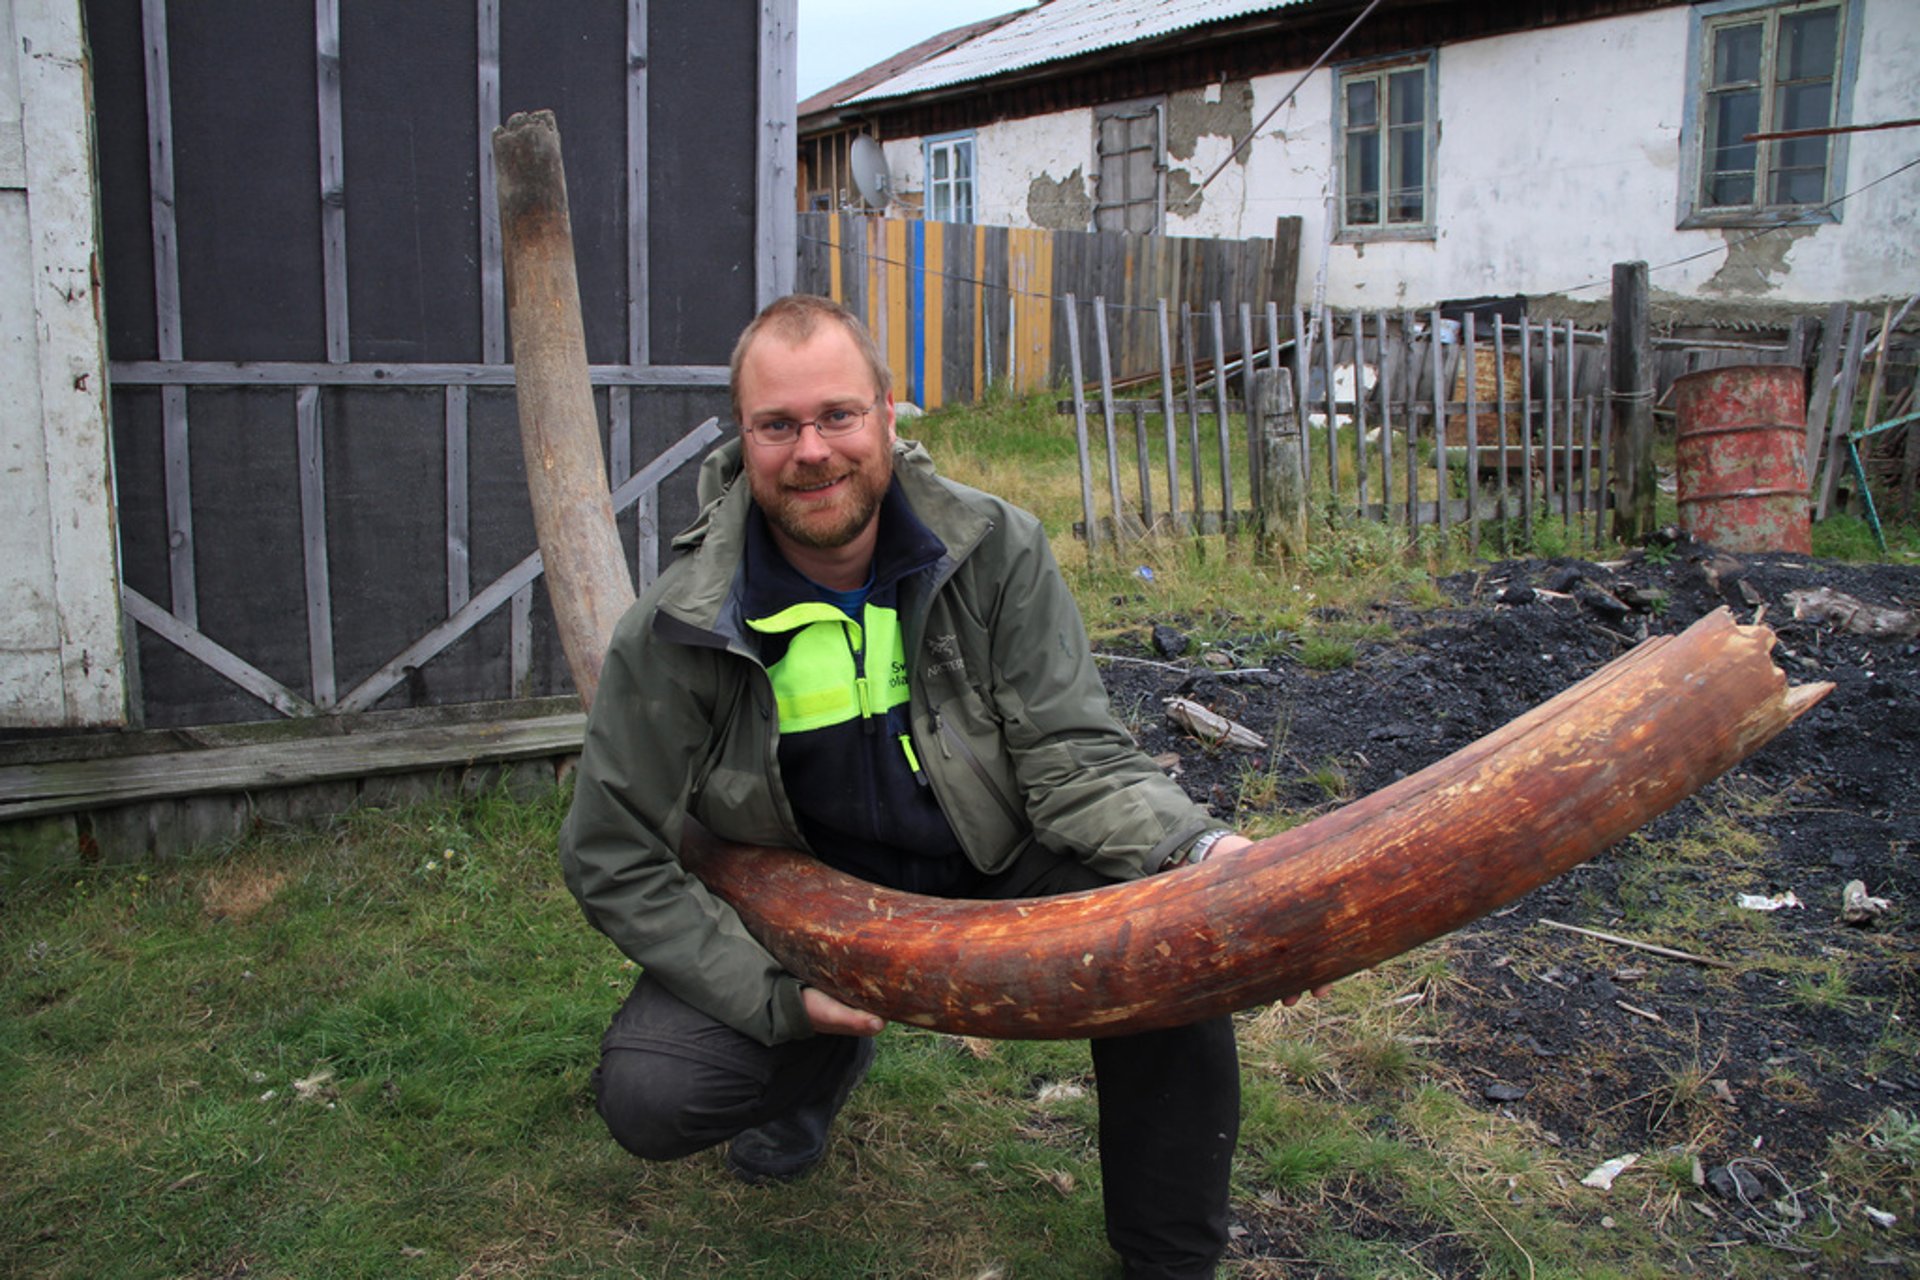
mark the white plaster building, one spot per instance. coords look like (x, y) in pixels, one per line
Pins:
(1443, 151)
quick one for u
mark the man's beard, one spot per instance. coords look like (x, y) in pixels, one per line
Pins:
(826, 528)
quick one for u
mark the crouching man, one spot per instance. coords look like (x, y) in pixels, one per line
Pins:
(860, 659)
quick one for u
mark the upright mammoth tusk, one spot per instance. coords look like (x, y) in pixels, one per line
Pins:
(1400, 867)
(585, 569)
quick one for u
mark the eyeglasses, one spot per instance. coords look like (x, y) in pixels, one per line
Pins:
(781, 432)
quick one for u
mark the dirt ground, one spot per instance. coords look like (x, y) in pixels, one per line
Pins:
(1803, 1045)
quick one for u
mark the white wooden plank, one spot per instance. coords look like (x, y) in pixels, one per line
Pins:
(646, 559)
(1106, 408)
(774, 227)
(284, 373)
(177, 480)
(30, 622)
(13, 138)
(1469, 364)
(493, 287)
(1220, 415)
(333, 178)
(214, 656)
(1077, 376)
(619, 434)
(63, 261)
(1166, 411)
(520, 641)
(1256, 447)
(1437, 349)
(31, 689)
(639, 208)
(459, 583)
(313, 536)
(166, 243)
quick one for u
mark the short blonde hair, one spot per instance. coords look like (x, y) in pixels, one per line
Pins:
(795, 318)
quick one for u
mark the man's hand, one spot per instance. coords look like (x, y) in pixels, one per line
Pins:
(831, 1018)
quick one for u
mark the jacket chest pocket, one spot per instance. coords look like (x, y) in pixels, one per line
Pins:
(733, 794)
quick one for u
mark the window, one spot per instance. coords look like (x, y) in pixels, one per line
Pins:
(950, 178)
(1766, 69)
(1127, 142)
(1385, 126)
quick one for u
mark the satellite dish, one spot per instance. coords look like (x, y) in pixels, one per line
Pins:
(869, 165)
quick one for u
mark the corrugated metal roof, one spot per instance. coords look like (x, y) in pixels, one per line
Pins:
(887, 68)
(1062, 29)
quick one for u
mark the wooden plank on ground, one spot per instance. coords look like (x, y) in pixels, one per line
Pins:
(32, 790)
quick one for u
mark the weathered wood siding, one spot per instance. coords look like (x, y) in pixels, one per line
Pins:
(321, 485)
(60, 640)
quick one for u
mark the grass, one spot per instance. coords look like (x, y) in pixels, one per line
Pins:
(365, 1049)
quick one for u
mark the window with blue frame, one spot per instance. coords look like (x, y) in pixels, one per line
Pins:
(1385, 126)
(950, 178)
(1760, 71)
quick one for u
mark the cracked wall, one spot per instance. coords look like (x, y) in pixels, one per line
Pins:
(1218, 111)
(1065, 205)
(1753, 261)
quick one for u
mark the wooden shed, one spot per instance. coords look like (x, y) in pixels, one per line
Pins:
(272, 435)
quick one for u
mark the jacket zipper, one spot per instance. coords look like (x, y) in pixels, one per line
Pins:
(863, 694)
(950, 738)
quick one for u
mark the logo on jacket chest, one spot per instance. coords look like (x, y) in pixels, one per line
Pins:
(946, 652)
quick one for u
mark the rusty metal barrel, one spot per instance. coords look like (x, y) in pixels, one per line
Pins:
(1741, 463)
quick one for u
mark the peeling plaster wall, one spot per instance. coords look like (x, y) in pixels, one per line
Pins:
(1011, 159)
(1065, 205)
(1545, 179)
(1558, 156)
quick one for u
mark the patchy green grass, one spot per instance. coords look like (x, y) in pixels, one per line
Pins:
(365, 1050)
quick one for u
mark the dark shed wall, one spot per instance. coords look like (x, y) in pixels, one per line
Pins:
(700, 95)
(244, 122)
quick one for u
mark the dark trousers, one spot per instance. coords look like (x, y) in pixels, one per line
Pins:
(673, 1081)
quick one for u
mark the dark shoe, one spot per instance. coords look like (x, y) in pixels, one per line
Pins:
(785, 1148)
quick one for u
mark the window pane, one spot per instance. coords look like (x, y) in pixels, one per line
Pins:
(1407, 97)
(940, 163)
(1802, 106)
(1799, 186)
(1730, 188)
(1808, 42)
(963, 162)
(1729, 159)
(1408, 175)
(1363, 107)
(1736, 54)
(1363, 177)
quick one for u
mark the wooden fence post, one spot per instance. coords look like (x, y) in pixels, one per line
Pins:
(1632, 352)
(1282, 513)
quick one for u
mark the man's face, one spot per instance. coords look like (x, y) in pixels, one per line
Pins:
(818, 492)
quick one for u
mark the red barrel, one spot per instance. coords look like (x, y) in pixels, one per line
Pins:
(1742, 457)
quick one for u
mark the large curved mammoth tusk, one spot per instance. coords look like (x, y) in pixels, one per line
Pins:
(1400, 867)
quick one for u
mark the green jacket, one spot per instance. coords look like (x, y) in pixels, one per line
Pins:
(1009, 720)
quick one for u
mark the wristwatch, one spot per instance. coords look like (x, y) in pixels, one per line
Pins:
(1197, 851)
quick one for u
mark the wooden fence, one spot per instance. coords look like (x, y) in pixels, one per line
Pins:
(1421, 419)
(957, 307)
